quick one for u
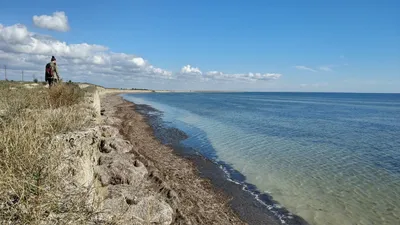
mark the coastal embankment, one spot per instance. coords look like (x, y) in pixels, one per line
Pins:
(81, 155)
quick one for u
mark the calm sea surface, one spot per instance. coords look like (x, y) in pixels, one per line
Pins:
(329, 158)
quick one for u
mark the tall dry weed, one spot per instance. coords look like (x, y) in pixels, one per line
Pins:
(65, 95)
(31, 189)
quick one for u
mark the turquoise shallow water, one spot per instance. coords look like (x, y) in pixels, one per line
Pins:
(329, 158)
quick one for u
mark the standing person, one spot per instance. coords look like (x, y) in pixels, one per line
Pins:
(52, 75)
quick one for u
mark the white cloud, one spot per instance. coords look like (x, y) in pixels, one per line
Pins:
(325, 68)
(15, 34)
(21, 49)
(26, 50)
(315, 85)
(18, 39)
(57, 22)
(189, 72)
(98, 60)
(243, 76)
(188, 69)
(214, 73)
(322, 68)
(305, 68)
(138, 61)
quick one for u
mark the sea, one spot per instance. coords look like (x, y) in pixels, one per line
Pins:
(330, 158)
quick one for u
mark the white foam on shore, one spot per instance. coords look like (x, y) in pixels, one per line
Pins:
(273, 208)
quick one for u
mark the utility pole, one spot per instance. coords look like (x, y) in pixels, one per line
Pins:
(5, 72)
(22, 75)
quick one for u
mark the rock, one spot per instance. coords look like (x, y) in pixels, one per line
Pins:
(148, 210)
(104, 159)
(152, 210)
(105, 147)
(131, 201)
(120, 170)
(114, 144)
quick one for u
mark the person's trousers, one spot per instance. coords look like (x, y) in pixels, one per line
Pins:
(51, 82)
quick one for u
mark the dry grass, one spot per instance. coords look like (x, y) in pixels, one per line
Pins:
(65, 95)
(31, 188)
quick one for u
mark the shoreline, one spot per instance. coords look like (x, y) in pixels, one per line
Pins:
(192, 199)
(245, 199)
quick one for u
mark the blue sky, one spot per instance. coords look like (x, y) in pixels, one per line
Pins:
(351, 46)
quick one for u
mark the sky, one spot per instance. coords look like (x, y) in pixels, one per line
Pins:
(312, 46)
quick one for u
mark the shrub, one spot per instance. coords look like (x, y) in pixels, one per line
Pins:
(65, 95)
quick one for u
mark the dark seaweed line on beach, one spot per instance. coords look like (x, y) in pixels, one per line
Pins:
(249, 203)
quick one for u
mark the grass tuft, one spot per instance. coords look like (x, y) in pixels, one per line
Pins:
(65, 95)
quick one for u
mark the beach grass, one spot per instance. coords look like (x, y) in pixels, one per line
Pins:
(31, 185)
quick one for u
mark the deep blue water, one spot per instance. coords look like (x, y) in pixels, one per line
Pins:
(332, 158)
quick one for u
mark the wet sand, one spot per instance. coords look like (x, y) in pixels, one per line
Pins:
(203, 187)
